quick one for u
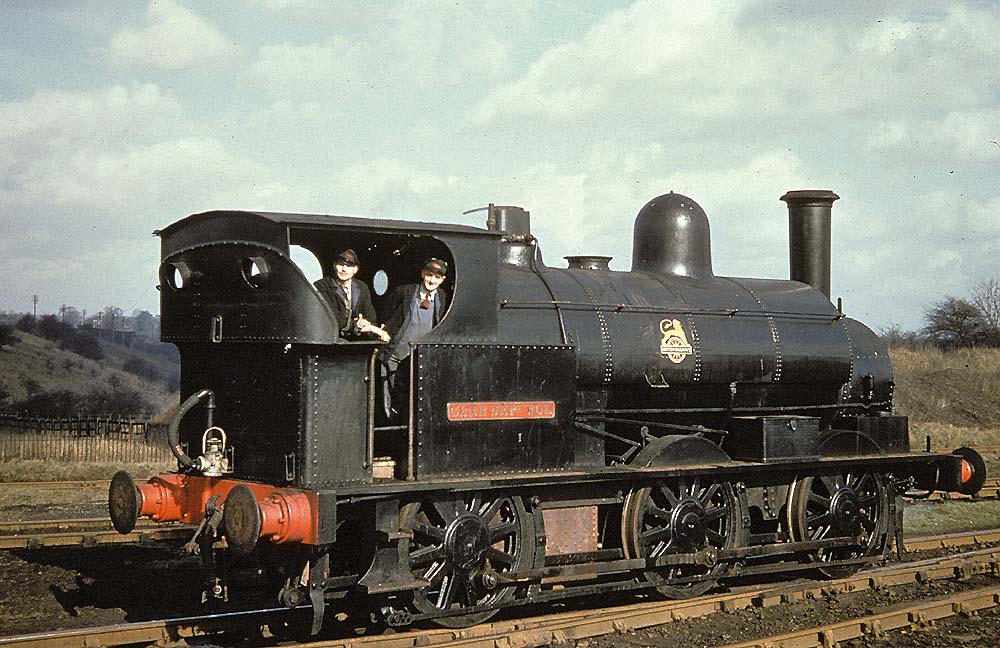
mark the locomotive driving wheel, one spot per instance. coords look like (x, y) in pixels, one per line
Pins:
(459, 545)
(849, 504)
(689, 518)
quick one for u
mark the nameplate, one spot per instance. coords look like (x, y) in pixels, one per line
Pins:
(501, 410)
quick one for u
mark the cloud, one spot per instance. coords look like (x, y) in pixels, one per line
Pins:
(327, 71)
(338, 14)
(890, 269)
(409, 44)
(447, 41)
(589, 207)
(85, 171)
(703, 69)
(52, 131)
(175, 38)
(960, 136)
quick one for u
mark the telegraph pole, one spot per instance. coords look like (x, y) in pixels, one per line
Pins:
(34, 307)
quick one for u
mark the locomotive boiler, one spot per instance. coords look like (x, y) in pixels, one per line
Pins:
(566, 431)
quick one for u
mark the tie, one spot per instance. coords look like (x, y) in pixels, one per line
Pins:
(425, 303)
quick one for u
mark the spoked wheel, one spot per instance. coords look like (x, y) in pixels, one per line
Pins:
(459, 545)
(693, 516)
(844, 505)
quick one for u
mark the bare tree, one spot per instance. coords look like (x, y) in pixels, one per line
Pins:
(956, 322)
(986, 297)
(896, 336)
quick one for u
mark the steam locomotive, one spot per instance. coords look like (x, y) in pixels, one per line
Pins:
(568, 431)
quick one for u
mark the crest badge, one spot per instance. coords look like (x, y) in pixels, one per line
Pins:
(674, 344)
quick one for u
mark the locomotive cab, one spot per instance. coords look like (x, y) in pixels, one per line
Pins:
(302, 406)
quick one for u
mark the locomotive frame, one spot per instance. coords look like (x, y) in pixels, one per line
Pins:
(568, 432)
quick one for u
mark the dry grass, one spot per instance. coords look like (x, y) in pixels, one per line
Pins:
(938, 518)
(17, 470)
(945, 437)
(958, 388)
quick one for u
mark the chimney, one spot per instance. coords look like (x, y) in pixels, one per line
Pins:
(809, 236)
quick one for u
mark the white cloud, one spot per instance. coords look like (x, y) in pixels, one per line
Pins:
(51, 132)
(891, 268)
(410, 44)
(716, 64)
(327, 71)
(958, 136)
(320, 10)
(82, 168)
(589, 208)
(448, 41)
(174, 38)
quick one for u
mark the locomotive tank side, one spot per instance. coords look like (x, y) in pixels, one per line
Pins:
(672, 336)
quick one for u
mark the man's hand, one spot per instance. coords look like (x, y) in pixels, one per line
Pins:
(367, 327)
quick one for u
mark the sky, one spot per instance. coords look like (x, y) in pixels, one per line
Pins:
(120, 117)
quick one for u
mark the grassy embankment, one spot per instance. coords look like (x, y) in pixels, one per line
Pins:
(35, 364)
(955, 398)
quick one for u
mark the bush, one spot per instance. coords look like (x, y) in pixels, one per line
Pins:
(26, 324)
(953, 323)
(141, 368)
(119, 401)
(111, 401)
(7, 335)
(50, 328)
(84, 344)
(49, 404)
(165, 349)
(897, 337)
(31, 386)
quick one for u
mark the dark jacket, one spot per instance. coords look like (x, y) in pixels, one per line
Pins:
(397, 306)
(361, 303)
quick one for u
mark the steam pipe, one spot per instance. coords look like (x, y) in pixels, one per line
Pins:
(809, 214)
(173, 432)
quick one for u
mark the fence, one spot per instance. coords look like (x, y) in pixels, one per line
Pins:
(96, 440)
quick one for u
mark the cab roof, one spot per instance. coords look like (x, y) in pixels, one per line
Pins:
(334, 221)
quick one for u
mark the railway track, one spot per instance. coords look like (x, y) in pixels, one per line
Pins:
(59, 485)
(575, 625)
(909, 615)
(86, 532)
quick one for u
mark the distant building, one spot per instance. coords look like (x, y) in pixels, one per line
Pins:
(145, 325)
(71, 315)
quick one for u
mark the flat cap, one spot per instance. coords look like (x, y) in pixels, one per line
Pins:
(347, 257)
(436, 266)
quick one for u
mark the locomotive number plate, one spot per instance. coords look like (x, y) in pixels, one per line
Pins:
(501, 410)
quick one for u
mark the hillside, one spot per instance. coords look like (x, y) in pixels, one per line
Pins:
(954, 396)
(36, 365)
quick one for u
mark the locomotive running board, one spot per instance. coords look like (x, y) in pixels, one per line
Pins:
(744, 471)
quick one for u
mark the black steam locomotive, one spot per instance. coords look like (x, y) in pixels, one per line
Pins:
(568, 431)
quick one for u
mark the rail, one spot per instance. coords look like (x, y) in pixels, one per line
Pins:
(84, 533)
(564, 627)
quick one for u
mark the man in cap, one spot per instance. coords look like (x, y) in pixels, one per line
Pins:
(412, 310)
(350, 298)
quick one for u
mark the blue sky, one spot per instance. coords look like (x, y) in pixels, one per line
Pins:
(117, 118)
